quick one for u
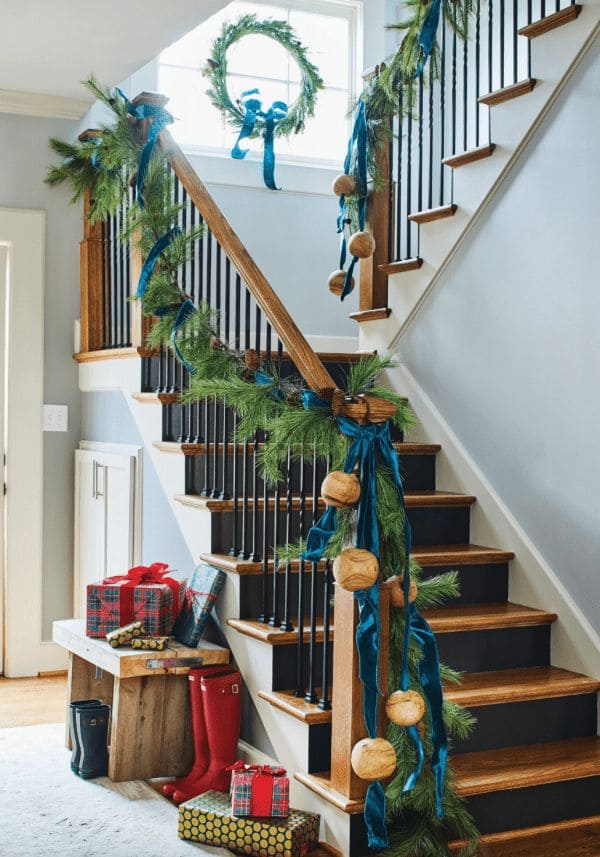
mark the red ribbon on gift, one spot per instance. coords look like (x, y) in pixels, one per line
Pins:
(261, 800)
(155, 573)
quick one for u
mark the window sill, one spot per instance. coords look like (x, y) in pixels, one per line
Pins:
(297, 177)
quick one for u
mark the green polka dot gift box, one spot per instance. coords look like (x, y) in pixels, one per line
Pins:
(208, 819)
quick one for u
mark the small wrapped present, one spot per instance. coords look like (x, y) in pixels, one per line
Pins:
(149, 595)
(154, 644)
(198, 599)
(208, 819)
(259, 791)
(124, 636)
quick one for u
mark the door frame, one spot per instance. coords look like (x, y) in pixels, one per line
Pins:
(22, 231)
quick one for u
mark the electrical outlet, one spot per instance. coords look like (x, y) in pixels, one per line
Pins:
(56, 417)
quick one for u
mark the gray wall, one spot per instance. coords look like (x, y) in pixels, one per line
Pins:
(508, 346)
(25, 158)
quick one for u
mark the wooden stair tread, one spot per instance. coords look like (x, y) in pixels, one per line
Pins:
(320, 784)
(459, 554)
(430, 214)
(519, 685)
(295, 706)
(235, 565)
(371, 314)
(274, 636)
(470, 156)
(515, 90)
(105, 354)
(413, 499)
(551, 22)
(173, 446)
(579, 837)
(401, 266)
(523, 767)
(481, 617)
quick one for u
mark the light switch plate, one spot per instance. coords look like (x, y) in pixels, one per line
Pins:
(56, 417)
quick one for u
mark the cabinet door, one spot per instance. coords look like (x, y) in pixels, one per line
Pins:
(104, 519)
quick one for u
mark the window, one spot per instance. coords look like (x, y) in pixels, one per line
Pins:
(328, 29)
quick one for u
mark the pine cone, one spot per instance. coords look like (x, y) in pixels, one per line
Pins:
(337, 403)
(251, 359)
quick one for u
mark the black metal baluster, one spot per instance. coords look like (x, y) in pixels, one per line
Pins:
(442, 111)
(254, 554)
(205, 487)
(324, 701)
(529, 17)
(300, 619)
(465, 73)
(501, 35)
(264, 614)
(105, 264)
(244, 553)
(420, 179)
(454, 81)
(268, 346)
(409, 123)
(127, 305)
(515, 39)
(122, 295)
(234, 489)
(227, 313)
(274, 618)
(201, 240)
(490, 46)
(311, 693)
(236, 318)
(430, 172)
(477, 66)
(286, 624)
(399, 218)
(113, 279)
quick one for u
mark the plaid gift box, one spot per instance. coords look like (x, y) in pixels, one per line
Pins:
(198, 600)
(259, 791)
(207, 819)
(147, 595)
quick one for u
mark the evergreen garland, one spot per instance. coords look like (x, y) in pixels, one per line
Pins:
(274, 408)
(216, 72)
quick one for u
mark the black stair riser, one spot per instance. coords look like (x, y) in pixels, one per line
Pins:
(531, 722)
(496, 649)
(479, 584)
(251, 586)
(537, 805)
(285, 660)
(202, 470)
(430, 525)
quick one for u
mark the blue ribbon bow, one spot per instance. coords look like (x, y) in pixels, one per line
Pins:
(253, 110)
(161, 118)
(186, 310)
(152, 258)
(428, 34)
(358, 142)
(372, 443)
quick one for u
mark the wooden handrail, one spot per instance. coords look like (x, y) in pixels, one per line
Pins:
(304, 358)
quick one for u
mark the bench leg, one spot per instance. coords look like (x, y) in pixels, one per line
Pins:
(151, 728)
(83, 684)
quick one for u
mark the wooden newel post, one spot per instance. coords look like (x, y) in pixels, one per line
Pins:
(347, 724)
(91, 263)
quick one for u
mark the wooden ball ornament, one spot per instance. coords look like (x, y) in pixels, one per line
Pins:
(336, 282)
(355, 569)
(361, 244)
(373, 759)
(343, 185)
(340, 489)
(405, 707)
(394, 584)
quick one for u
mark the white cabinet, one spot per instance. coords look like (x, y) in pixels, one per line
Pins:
(106, 517)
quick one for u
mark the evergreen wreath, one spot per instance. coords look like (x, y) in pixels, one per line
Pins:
(273, 405)
(216, 72)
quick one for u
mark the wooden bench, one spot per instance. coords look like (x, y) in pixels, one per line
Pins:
(150, 733)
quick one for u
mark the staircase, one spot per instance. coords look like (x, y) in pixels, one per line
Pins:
(531, 770)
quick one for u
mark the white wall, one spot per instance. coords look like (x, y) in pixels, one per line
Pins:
(508, 347)
(23, 165)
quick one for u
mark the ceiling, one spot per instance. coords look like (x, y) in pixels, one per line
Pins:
(49, 46)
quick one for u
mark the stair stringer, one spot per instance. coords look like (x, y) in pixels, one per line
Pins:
(289, 737)
(575, 645)
(555, 57)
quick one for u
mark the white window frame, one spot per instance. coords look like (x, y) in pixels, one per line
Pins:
(354, 15)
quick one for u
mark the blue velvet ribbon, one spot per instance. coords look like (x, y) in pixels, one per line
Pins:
(253, 110)
(428, 34)
(161, 118)
(186, 309)
(152, 258)
(264, 380)
(370, 444)
(357, 142)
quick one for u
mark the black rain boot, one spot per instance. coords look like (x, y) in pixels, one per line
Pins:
(75, 742)
(92, 727)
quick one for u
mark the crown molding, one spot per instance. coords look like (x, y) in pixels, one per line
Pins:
(42, 105)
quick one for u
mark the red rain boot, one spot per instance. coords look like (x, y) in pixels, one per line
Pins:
(221, 696)
(201, 757)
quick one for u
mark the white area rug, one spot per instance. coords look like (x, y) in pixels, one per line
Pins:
(46, 811)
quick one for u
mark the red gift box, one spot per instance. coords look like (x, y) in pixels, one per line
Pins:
(259, 791)
(144, 594)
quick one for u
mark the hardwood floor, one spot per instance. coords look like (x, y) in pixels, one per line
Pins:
(27, 701)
